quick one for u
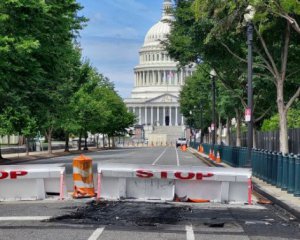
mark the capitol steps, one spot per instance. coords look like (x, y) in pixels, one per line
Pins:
(172, 132)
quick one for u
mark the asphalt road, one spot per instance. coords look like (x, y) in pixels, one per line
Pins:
(86, 220)
(154, 156)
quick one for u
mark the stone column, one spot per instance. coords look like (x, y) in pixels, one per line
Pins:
(176, 116)
(157, 115)
(182, 121)
(170, 116)
(164, 116)
(165, 77)
(181, 78)
(152, 78)
(140, 115)
(152, 116)
(146, 115)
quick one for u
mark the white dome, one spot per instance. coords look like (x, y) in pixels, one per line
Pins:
(161, 29)
(157, 33)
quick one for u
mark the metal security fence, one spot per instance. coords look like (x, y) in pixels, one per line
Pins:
(280, 170)
(270, 140)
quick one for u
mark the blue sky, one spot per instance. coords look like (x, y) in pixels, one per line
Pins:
(114, 35)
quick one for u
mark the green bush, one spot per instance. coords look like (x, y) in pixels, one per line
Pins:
(273, 123)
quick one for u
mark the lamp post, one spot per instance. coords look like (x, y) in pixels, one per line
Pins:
(213, 75)
(249, 111)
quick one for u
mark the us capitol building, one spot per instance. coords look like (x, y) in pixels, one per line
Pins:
(157, 83)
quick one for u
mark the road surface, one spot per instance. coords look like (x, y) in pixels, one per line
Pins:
(86, 220)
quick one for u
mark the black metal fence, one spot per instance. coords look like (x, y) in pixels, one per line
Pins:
(270, 140)
(280, 170)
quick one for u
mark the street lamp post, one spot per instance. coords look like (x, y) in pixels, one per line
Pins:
(201, 122)
(213, 75)
(249, 111)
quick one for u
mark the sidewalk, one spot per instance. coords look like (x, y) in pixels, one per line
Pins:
(274, 194)
(22, 157)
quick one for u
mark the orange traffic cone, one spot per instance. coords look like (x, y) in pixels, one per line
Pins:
(199, 148)
(183, 148)
(213, 157)
(210, 154)
(218, 157)
(202, 149)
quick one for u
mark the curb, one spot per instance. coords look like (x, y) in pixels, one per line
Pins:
(276, 201)
(11, 161)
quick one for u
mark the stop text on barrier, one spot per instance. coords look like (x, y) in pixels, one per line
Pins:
(12, 174)
(172, 175)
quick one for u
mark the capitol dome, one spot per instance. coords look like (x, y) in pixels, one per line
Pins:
(157, 78)
(157, 33)
(160, 30)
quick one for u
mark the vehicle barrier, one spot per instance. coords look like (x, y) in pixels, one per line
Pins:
(148, 182)
(32, 182)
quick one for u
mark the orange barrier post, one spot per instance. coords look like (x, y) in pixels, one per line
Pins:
(183, 147)
(83, 177)
(218, 160)
(199, 148)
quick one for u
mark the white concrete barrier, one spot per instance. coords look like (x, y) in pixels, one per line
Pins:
(148, 182)
(32, 182)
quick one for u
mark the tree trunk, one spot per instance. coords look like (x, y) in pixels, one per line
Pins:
(113, 142)
(79, 141)
(103, 140)
(228, 125)
(85, 142)
(220, 131)
(254, 136)
(67, 148)
(27, 146)
(238, 128)
(97, 141)
(108, 141)
(0, 153)
(283, 132)
(49, 136)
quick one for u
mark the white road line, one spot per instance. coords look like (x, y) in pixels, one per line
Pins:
(157, 159)
(189, 233)
(177, 157)
(27, 218)
(96, 234)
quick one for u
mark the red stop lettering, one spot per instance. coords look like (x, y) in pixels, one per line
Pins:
(164, 174)
(15, 174)
(144, 174)
(3, 174)
(189, 176)
(200, 176)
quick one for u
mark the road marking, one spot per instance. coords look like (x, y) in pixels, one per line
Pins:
(96, 234)
(189, 233)
(157, 159)
(29, 218)
(177, 157)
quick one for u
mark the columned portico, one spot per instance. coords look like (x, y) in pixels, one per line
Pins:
(151, 114)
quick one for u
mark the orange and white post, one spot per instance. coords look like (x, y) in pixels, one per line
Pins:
(83, 177)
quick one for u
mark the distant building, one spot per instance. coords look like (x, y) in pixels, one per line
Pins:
(157, 82)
